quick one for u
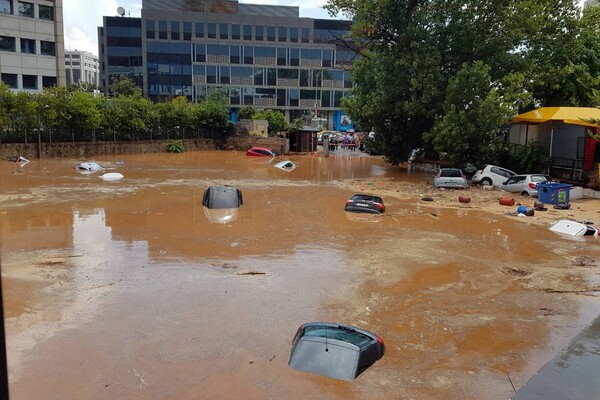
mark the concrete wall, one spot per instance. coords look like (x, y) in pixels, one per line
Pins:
(88, 149)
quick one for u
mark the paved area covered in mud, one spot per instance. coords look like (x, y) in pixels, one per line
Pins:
(127, 290)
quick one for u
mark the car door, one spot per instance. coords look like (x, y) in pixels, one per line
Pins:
(514, 184)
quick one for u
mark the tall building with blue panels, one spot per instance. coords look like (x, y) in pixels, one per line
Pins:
(261, 56)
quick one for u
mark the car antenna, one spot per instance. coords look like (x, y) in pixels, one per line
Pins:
(326, 348)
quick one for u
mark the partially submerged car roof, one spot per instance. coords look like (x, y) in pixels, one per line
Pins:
(222, 196)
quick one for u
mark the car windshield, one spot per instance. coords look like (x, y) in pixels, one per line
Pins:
(362, 197)
(451, 173)
(345, 335)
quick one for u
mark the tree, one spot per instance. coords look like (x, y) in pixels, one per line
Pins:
(277, 122)
(413, 52)
(212, 112)
(246, 113)
(7, 100)
(124, 86)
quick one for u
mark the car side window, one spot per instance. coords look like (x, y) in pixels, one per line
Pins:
(511, 181)
(497, 171)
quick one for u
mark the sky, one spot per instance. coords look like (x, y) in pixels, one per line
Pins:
(83, 17)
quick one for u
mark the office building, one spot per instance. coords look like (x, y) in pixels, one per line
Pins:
(260, 55)
(31, 44)
(82, 67)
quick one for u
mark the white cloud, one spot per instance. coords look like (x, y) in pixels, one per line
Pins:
(83, 17)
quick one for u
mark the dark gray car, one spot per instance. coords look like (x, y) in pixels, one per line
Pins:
(222, 197)
(334, 350)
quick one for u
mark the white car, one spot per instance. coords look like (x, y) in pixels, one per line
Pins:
(526, 185)
(492, 175)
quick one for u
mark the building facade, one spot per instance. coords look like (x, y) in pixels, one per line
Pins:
(262, 56)
(31, 44)
(82, 67)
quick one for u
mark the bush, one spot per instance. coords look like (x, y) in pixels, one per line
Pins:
(175, 146)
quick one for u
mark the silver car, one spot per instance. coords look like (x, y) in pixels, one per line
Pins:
(452, 178)
(526, 185)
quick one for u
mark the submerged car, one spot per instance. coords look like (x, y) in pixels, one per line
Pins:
(573, 228)
(334, 350)
(222, 197)
(492, 175)
(285, 166)
(526, 185)
(450, 178)
(89, 166)
(365, 203)
(260, 152)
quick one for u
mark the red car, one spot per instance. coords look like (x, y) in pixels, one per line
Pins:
(261, 152)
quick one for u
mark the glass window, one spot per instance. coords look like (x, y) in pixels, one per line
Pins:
(225, 74)
(248, 55)
(317, 76)
(247, 32)
(212, 31)
(305, 35)
(150, 32)
(259, 76)
(199, 29)
(217, 50)
(294, 97)
(235, 32)
(271, 77)
(200, 53)
(294, 57)
(283, 34)
(294, 35)
(187, 31)
(326, 98)
(281, 97)
(327, 58)
(223, 31)
(259, 33)
(285, 73)
(162, 29)
(304, 78)
(25, 10)
(46, 12)
(337, 98)
(10, 80)
(211, 74)
(47, 48)
(7, 43)
(234, 54)
(28, 46)
(30, 82)
(6, 7)
(235, 95)
(174, 30)
(267, 52)
(248, 96)
(199, 70)
(270, 33)
(48, 81)
(281, 56)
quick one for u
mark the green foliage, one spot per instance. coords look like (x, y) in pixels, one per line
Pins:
(530, 157)
(7, 99)
(247, 113)
(411, 83)
(212, 112)
(277, 122)
(175, 146)
(296, 124)
(124, 86)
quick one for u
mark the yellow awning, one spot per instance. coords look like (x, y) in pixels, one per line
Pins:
(569, 115)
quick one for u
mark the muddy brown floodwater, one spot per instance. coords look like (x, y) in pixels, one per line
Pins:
(126, 289)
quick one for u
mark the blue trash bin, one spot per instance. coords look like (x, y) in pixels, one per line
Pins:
(554, 193)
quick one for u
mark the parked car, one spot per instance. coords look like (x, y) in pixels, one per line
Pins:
(222, 197)
(365, 203)
(450, 178)
(260, 152)
(492, 175)
(526, 185)
(334, 350)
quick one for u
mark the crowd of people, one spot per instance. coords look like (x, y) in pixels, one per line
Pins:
(349, 141)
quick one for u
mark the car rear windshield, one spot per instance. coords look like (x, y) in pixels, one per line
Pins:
(224, 199)
(541, 178)
(345, 335)
(362, 197)
(451, 173)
